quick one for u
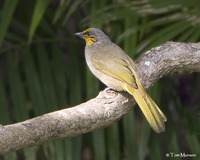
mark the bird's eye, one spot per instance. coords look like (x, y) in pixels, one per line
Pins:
(88, 33)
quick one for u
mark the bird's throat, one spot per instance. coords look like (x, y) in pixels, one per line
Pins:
(89, 40)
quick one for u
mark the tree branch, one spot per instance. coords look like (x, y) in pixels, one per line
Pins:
(168, 58)
(106, 108)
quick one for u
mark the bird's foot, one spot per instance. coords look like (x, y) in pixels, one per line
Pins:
(110, 90)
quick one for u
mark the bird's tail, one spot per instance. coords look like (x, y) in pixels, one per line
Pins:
(152, 112)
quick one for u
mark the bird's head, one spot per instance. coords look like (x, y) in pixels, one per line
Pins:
(93, 36)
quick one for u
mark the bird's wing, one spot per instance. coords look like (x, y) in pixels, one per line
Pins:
(116, 68)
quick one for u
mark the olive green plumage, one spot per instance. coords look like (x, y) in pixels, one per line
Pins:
(114, 68)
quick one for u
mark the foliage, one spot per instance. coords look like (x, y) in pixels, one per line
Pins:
(43, 70)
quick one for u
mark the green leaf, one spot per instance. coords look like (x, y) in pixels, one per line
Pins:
(10, 156)
(173, 146)
(17, 89)
(34, 85)
(46, 76)
(113, 142)
(4, 109)
(68, 148)
(194, 36)
(59, 149)
(30, 153)
(130, 137)
(145, 134)
(72, 8)
(20, 35)
(163, 35)
(7, 14)
(39, 11)
(77, 147)
(99, 145)
(59, 75)
(61, 8)
(193, 142)
(187, 34)
(155, 147)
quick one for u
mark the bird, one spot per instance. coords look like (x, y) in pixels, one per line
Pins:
(112, 66)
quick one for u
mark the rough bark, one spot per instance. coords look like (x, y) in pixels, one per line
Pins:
(106, 108)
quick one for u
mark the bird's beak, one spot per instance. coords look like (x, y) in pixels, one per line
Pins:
(79, 34)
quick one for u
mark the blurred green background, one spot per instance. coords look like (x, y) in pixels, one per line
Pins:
(42, 69)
